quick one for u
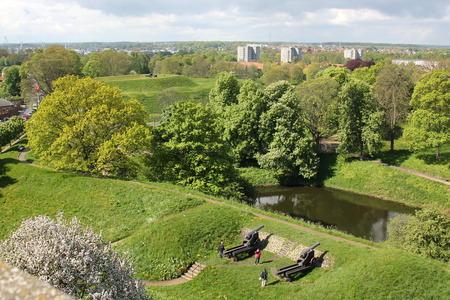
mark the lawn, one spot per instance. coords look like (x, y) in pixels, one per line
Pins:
(147, 89)
(165, 227)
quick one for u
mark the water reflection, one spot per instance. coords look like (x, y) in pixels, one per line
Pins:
(361, 216)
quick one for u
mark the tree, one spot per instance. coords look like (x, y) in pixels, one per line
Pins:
(115, 63)
(53, 63)
(272, 94)
(276, 74)
(11, 130)
(290, 154)
(393, 90)
(429, 122)
(358, 63)
(95, 67)
(73, 259)
(140, 62)
(225, 92)
(341, 75)
(360, 120)
(427, 233)
(11, 79)
(172, 65)
(199, 67)
(319, 103)
(86, 126)
(168, 96)
(188, 149)
(242, 122)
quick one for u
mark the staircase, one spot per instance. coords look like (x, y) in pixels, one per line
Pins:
(285, 248)
(193, 271)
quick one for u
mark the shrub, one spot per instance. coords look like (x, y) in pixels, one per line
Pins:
(71, 258)
(427, 233)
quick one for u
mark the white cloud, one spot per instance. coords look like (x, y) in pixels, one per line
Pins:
(255, 20)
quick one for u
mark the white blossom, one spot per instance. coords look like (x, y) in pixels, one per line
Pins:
(72, 258)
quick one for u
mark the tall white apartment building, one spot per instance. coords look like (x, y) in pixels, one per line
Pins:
(353, 53)
(249, 53)
(288, 54)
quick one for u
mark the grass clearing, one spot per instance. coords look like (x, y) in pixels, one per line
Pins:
(147, 89)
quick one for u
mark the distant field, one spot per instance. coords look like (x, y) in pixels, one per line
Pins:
(147, 89)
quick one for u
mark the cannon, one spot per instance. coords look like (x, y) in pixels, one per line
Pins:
(304, 262)
(250, 243)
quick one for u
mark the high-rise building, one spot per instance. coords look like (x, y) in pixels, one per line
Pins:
(353, 53)
(249, 53)
(288, 54)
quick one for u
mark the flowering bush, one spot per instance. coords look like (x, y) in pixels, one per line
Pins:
(71, 258)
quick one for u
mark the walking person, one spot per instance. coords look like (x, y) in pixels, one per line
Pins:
(263, 277)
(257, 256)
(220, 249)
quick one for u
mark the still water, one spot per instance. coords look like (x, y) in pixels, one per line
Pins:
(358, 215)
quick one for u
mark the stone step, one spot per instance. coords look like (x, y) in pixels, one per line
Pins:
(193, 271)
(285, 248)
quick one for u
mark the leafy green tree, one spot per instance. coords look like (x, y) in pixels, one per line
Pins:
(319, 103)
(172, 65)
(11, 80)
(429, 122)
(86, 126)
(188, 149)
(276, 74)
(290, 154)
(115, 62)
(427, 233)
(53, 63)
(140, 62)
(272, 95)
(198, 68)
(168, 96)
(225, 92)
(95, 67)
(242, 122)
(312, 70)
(360, 120)
(368, 74)
(393, 90)
(341, 75)
(11, 130)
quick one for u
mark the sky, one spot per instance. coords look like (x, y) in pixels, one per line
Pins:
(295, 21)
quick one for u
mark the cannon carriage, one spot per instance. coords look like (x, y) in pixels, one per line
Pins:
(250, 243)
(305, 262)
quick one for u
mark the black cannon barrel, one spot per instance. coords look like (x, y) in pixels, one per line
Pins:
(305, 251)
(249, 235)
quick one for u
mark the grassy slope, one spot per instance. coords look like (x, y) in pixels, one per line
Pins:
(164, 225)
(146, 89)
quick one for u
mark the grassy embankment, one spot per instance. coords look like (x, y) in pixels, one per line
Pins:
(164, 226)
(147, 89)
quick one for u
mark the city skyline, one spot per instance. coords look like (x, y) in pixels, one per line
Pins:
(399, 22)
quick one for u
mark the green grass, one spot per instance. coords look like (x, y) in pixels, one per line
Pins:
(424, 161)
(147, 89)
(165, 227)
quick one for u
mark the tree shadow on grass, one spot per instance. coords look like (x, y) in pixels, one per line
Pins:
(396, 157)
(326, 169)
(6, 180)
(430, 159)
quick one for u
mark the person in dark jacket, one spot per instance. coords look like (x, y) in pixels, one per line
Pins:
(220, 249)
(263, 277)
